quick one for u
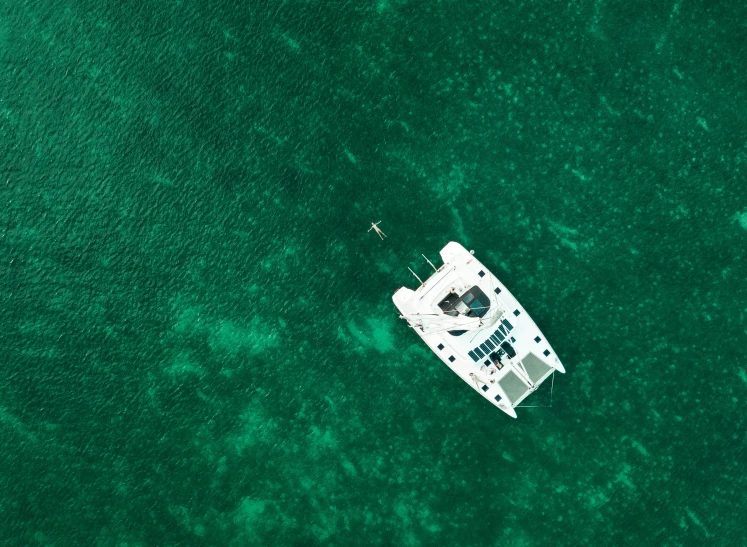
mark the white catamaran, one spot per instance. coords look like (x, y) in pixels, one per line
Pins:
(477, 327)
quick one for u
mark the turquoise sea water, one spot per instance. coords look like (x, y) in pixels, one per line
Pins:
(199, 344)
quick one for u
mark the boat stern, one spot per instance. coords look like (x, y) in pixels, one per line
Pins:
(402, 297)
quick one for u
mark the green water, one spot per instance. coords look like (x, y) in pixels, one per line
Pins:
(199, 344)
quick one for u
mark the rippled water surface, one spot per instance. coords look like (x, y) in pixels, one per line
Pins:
(199, 344)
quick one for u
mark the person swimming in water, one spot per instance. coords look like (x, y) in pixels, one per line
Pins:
(375, 227)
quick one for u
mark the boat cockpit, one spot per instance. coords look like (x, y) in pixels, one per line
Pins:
(473, 303)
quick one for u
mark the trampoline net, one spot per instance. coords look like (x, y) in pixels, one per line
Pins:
(513, 386)
(535, 367)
